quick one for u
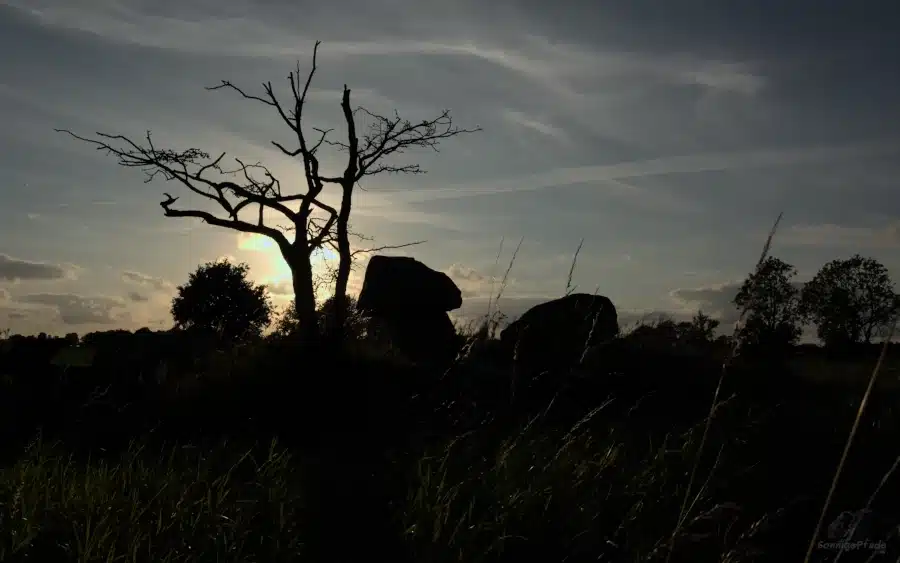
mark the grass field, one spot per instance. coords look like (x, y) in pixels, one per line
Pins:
(351, 457)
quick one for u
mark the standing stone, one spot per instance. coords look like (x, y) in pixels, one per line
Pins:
(411, 301)
(554, 334)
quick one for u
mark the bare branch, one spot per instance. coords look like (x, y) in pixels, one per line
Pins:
(293, 118)
(188, 167)
(324, 133)
(393, 135)
(387, 247)
(325, 232)
(269, 100)
(233, 224)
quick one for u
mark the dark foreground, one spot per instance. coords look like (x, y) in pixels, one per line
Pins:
(277, 453)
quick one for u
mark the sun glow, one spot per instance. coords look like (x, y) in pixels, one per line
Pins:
(270, 268)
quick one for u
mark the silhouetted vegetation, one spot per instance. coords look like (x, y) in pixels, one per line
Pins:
(355, 325)
(772, 305)
(850, 301)
(219, 299)
(163, 445)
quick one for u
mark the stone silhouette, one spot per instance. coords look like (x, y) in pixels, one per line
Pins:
(410, 302)
(554, 334)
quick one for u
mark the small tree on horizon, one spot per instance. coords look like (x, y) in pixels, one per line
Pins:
(701, 329)
(288, 322)
(850, 301)
(219, 299)
(663, 330)
(250, 186)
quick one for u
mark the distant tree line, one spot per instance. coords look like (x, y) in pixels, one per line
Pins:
(850, 302)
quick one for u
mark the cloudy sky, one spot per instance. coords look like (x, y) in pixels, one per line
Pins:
(667, 135)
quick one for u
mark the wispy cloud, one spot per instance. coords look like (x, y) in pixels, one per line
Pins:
(78, 309)
(17, 269)
(471, 282)
(522, 119)
(281, 289)
(153, 282)
(730, 77)
(556, 65)
(613, 174)
(136, 297)
(715, 300)
(842, 236)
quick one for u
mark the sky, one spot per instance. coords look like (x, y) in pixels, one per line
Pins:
(668, 136)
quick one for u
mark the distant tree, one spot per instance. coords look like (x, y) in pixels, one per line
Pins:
(771, 305)
(666, 332)
(72, 338)
(659, 332)
(723, 340)
(106, 338)
(288, 322)
(850, 301)
(315, 224)
(219, 299)
(355, 324)
(701, 329)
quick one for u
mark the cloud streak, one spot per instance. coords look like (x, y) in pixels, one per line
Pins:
(136, 297)
(716, 301)
(80, 310)
(146, 280)
(665, 166)
(842, 236)
(17, 269)
(471, 282)
(520, 118)
(557, 67)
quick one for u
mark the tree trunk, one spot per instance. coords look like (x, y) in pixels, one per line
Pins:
(344, 263)
(351, 176)
(304, 291)
(868, 331)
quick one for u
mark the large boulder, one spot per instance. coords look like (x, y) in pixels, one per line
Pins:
(401, 283)
(410, 301)
(556, 333)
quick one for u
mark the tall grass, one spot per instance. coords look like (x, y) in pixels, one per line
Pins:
(685, 507)
(845, 453)
(180, 504)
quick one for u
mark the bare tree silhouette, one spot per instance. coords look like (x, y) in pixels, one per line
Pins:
(314, 223)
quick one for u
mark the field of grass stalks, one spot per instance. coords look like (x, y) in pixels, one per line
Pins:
(636, 469)
(180, 504)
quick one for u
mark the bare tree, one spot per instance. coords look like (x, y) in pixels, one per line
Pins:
(314, 224)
